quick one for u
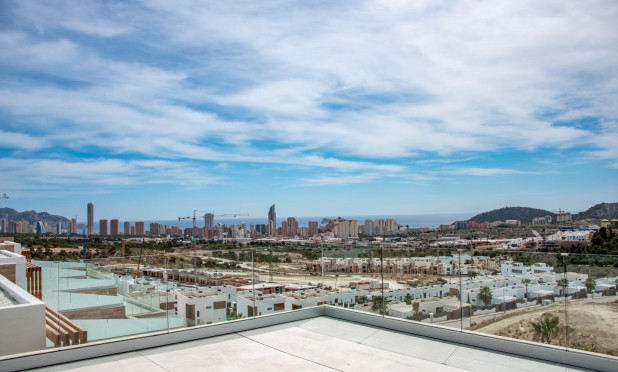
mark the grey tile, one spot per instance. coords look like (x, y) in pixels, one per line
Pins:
(298, 323)
(424, 348)
(232, 354)
(121, 362)
(342, 354)
(479, 360)
(340, 329)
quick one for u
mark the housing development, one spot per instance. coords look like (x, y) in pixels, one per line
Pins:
(500, 285)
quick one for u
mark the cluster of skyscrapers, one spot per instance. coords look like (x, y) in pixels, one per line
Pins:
(38, 227)
(337, 228)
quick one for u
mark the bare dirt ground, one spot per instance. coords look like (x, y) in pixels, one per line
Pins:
(591, 326)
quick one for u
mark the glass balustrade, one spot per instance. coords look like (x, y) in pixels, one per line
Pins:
(566, 300)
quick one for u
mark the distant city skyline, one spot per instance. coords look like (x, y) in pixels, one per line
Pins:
(150, 111)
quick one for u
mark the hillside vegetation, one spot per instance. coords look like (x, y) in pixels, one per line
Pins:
(523, 214)
(599, 211)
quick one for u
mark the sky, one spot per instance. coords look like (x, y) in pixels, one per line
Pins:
(153, 109)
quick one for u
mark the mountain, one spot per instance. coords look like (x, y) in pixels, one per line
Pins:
(523, 214)
(31, 216)
(599, 212)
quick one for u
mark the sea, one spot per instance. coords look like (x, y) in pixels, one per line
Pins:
(412, 220)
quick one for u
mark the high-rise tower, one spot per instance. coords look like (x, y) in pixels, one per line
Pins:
(114, 227)
(90, 218)
(209, 221)
(103, 227)
(272, 220)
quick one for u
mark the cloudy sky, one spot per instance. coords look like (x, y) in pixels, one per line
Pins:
(152, 109)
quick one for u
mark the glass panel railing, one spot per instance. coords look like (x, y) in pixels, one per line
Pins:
(423, 284)
(590, 322)
(212, 285)
(548, 297)
(49, 282)
(509, 293)
(351, 277)
(519, 285)
(289, 271)
(115, 296)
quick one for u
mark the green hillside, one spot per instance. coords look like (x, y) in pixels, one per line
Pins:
(523, 214)
(599, 211)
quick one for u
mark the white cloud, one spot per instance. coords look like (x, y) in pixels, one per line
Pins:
(481, 171)
(342, 179)
(101, 173)
(335, 86)
(21, 141)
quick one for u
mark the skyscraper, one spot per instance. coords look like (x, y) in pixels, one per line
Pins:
(313, 228)
(292, 226)
(369, 228)
(139, 228)
(127, 228)
(73, 226)
(114, 227)
(209, 221)
(103, 227)
(272, 220)
(90, 218)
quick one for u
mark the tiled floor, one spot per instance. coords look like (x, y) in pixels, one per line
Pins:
(318, 344)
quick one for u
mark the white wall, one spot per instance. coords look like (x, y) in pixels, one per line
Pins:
(22, 326)
(10, 258)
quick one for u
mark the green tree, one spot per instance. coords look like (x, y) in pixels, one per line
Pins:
(564, 282)
(546, 328)
(378, 304)
(362, 300)
(526, 282)
(415, 307)
(485, 295)
(408, 299)
(590, 285)
(233, 315)
(473, 274)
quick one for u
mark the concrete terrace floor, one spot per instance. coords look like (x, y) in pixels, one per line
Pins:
(317, 344)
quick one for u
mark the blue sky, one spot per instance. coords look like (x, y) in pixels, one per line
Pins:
(152, 109)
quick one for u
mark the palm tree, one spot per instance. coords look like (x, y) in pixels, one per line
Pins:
(590, 285)
(408, 299)
(526, 282)
(378, 304)
(485, 295)
(415, 307)
(563, 283)
(546, 328)
(361, 300)
(473, 274)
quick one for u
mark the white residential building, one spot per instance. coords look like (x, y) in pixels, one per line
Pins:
(201, 307)
(260, 304)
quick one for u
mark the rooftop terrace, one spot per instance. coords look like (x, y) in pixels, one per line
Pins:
(322, 338)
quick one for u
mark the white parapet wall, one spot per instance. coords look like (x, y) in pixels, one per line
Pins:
(18, 269)
(22, 323)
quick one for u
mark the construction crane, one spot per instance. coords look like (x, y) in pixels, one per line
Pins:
(194, 218)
